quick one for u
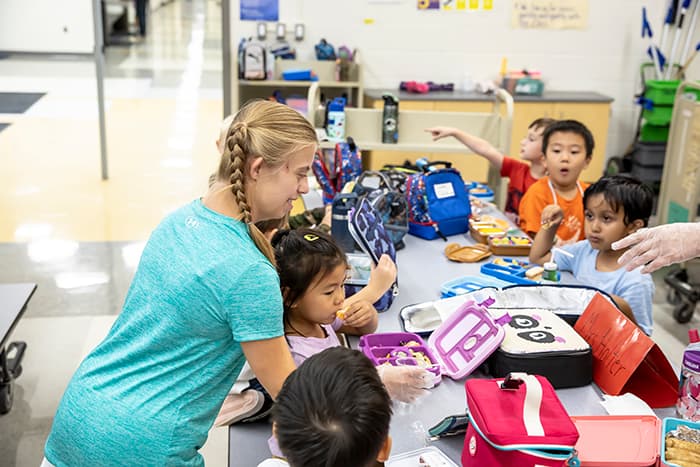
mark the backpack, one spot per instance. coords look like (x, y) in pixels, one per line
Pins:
(336, 167)
(438, 202)
(324, 51)
(283, 51)
(252, 60)
(385, 191)
(366, 227)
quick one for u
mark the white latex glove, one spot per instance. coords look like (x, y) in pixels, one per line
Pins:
(406, 383)
(660, 246)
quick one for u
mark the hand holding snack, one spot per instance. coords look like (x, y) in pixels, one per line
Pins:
(552, 217)
(357, 314)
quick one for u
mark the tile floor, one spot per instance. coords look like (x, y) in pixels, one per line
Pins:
(80, 237)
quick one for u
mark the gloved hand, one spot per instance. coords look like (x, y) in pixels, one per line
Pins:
(406, 383)
(660, 246)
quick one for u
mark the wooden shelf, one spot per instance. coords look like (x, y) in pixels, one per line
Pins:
(492, 123)
(243, 90)
(299, 84)
(367, 145)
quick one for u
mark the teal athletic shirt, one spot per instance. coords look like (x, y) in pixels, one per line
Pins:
(149, 393)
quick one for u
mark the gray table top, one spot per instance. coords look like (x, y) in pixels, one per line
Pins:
(422, 269)
(13, 301)
(460, 95)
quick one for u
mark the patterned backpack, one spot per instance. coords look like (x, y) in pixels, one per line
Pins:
(386, 191)
(367, 229)
(334, 168)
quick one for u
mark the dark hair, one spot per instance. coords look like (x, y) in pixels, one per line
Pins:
(269, 225)
(635, 197)
(332, 411)
(569, 126)
(543, 122)
(302, 255)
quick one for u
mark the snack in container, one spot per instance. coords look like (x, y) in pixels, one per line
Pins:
(680, 443)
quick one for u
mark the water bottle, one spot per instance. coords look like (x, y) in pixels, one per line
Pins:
(342, 203)
(551, 272)
(390, 119)
(688, 406)
(335, 128)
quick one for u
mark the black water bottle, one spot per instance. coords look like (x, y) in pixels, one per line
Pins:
(390, 119)
(340, 213)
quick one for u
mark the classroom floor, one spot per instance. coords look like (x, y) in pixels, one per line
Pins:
(79, 237)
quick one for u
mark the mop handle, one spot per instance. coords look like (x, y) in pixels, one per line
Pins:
(676, 39)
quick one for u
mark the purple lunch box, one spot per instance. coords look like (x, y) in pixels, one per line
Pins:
(456, 348)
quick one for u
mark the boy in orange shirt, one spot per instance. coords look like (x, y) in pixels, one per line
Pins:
(568, 148)
(521, 174)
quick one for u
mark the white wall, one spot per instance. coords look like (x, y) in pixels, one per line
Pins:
(55, 26)
(405, 44)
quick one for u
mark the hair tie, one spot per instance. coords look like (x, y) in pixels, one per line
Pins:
(310, 237)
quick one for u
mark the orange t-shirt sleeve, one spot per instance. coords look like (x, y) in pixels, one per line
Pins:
(535, 199)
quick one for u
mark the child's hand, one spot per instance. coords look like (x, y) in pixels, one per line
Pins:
(383, 275)
(327, 215)
(439, 132)
(552, 217)
(359, 314)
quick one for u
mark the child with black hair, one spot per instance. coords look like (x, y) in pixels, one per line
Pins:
(521, 174)
(312, 269)
(615, 207)
(318, 423)
(568, 147)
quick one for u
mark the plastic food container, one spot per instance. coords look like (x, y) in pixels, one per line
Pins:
(400, 348)
(515, 274)
(424, 318)
(480, 191)
(480, 231)
(510, 245)
(466, 284)
(670, 424)
(456, 348)
(618, 440)
(430, 455)
(299, 75)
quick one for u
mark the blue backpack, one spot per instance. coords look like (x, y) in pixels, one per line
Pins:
(438, 202)
(334, 168)
(324, 51)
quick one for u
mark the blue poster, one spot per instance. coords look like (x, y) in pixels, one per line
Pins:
(260, 10)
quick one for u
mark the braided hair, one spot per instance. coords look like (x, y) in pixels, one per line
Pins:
(261, 129)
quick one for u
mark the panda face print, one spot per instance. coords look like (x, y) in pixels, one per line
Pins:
(536, 332)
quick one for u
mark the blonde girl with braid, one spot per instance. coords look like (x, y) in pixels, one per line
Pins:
(205, 298)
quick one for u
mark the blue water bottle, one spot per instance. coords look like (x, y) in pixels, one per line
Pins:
(335, 128)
